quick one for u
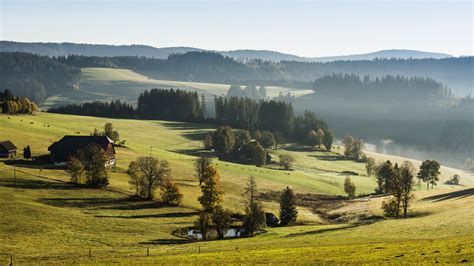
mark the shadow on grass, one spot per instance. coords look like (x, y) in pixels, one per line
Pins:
(100, 203)
(144, 216)
(187, 126)
(299, 148)
(166, 242)
(416, 214)
(33, 164)
(330, 158)
(197, 135)
(324, 230)
(191, 152)
(36, 184)
(106, 203)
(451, 195)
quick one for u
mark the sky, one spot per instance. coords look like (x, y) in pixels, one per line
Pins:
(304, 28)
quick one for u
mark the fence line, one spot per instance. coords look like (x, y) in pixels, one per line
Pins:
(97, 254)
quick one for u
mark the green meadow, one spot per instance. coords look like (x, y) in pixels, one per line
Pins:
(124, 84)
(46, 220)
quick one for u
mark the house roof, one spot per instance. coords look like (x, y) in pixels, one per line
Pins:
(69, 145)
(8, 145)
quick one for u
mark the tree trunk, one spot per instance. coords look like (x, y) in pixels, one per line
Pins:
(398, 206)
(149, 191)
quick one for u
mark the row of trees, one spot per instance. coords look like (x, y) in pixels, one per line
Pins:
(318, 138)
(240, 146)
(113, 109)
(266, 115)
(176, 105)
(16, 105)
(386, 87)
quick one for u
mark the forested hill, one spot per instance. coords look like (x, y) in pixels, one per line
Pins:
(64, 49)
(455, 73)
(36, 77)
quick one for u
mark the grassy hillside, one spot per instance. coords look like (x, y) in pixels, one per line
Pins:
(46, 218)
(125, 84)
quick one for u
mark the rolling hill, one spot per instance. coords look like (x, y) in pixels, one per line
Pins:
(64, 49)
(52, 221)
(125, 84)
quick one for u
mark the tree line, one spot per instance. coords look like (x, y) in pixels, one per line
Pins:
(382, 88)
(176, 105)
(112, 109)
(266, 115)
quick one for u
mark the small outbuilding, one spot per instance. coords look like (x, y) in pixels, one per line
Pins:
(271, 219)
(269, 158)
(7, 149)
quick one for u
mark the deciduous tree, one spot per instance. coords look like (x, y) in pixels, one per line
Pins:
(369, 166)
(221, 220)
(429, 172)
(75, 169)
(94, 158)
(201, 167)
(286, 161)
(328, 139)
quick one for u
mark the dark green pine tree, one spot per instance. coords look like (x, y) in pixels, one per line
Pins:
(288, 211)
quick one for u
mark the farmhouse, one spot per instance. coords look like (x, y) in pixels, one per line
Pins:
(7, 149)
(61, 150)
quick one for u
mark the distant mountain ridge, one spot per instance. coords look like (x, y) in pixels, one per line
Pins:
(63, 49)
(393, 53)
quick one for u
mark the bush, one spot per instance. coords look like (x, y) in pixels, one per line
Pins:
(454, 180)
(349, 187)
(286, 161)
(390, 208)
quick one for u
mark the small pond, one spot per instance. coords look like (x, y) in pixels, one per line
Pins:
(230, 233)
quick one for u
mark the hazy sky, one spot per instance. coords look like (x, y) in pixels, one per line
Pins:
(306, 28)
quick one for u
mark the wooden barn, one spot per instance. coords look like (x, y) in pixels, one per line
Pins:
(68, 146)
(7, 149)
